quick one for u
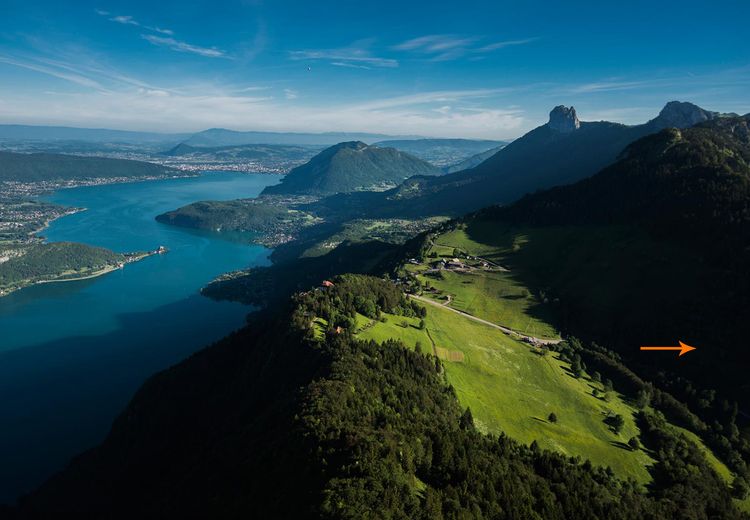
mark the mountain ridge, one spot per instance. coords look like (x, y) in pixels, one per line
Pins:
(36, 167)
(544, 157)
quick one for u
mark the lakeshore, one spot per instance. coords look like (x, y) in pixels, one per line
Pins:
(78, 275)
(108, 333)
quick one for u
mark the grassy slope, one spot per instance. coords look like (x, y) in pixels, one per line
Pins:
(495, 296)
(510, 388)
(568, 258)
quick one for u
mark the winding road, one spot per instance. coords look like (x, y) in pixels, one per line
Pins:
(506, 330)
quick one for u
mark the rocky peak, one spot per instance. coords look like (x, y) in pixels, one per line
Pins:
(679, 114)
(563, 119)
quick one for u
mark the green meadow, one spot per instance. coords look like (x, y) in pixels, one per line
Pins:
(510, 388)
(494, 295)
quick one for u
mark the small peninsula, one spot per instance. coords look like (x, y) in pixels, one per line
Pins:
(61, 262)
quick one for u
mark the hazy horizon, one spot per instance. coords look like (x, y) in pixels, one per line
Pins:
(491, 71)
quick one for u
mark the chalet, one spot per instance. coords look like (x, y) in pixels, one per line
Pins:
(327, 284)
(455, 264)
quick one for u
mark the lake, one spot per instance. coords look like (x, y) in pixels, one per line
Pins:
(73, 353)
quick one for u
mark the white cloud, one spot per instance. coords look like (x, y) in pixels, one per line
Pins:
(151, 92)
(73, 77)
(356, 54)
(607, 86)
(436, 96)
(140, 109)
(290, 94)
(129, 20)
(501, 45)
(350, 65)
(180, 46)
(253, 88)
(443, 47)
(435, 43)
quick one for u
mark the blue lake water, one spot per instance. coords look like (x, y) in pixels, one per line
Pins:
(73, 353)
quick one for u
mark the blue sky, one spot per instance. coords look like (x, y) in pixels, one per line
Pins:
(453, 69)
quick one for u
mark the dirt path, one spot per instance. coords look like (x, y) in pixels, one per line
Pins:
(434, 348)
(511, 332)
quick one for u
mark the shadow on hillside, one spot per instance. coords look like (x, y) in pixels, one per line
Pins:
(621, 445)
(499, 235)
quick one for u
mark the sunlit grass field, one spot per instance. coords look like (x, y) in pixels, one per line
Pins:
(496, 296)
(511, 388)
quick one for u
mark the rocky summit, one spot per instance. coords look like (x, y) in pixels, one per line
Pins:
(564, 119)
(681, 114)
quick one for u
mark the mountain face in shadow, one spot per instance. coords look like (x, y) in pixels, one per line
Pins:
(562, 151)
(652, 249)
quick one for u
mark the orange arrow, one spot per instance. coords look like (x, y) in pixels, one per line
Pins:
(683, 348)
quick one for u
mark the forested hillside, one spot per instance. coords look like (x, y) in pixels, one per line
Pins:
(39, 167)
(652, 249)
(54, 262)
(351, 166)
(281, 421)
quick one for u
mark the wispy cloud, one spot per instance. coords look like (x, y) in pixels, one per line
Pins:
(164, 41)
(444, 47)
(253, 88)
(192, 109)
(608, 86)
(437, 96)
(501, 45)
(441, 46)
(129, 20)
(57, 72)
(435, 43)
(180, 46)
(356, 54)
(350, 65)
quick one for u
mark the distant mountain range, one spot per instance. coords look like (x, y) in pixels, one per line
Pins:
(213, 137)
(98, 135)
(223, 137)
(473, 161)
(560, 152)
(442, 152)
(351, 166)
(244, 151)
